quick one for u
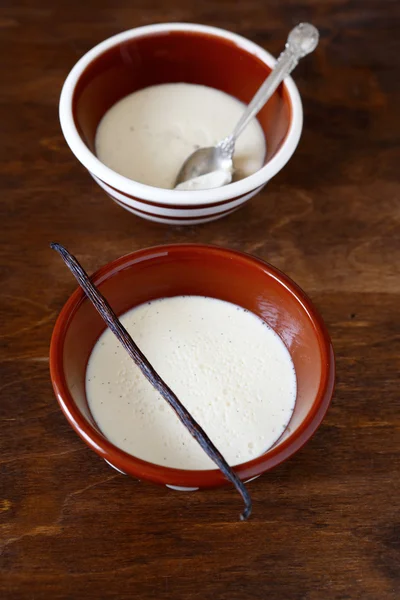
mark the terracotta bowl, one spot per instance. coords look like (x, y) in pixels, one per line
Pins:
(176, 52)
(198, 270)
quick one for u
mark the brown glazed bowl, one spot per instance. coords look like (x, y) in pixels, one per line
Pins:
(207, 271)
(167, 53)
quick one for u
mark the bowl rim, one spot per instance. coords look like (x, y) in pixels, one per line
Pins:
(142, 469)
(160, 195)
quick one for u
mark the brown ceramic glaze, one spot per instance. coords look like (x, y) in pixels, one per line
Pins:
(209, 271)
(176, 56)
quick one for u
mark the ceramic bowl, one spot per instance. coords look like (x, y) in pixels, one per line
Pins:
(207, 271)
(176, 52)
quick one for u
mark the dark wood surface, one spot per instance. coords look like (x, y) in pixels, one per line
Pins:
(326, 524)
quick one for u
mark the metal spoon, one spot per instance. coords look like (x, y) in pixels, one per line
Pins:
(302, 40)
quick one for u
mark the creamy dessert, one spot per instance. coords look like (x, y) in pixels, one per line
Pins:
(227, 366)
(149, 134)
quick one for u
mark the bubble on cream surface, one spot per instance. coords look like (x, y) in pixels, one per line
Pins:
(148, 135)
(227, 366)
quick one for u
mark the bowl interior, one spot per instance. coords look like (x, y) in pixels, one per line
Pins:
(176, 56)
(198, 270)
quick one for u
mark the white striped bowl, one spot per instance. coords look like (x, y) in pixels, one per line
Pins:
(176, 52)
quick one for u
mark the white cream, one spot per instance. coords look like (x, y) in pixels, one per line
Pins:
(149, 134)
(230, 370)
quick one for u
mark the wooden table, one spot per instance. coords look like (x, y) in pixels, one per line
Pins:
(326, 524)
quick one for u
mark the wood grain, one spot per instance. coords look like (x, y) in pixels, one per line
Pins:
(326, 524)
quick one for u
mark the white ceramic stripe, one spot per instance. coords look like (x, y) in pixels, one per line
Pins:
(172, 221)
(181, 489)
(175, 487)
(174, 212)
(112, 466)
(252, 479)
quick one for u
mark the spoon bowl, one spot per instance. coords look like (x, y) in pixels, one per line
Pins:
(302, 40)
(204, 161)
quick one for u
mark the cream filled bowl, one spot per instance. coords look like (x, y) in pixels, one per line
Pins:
(176, 53)
(201, 314)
